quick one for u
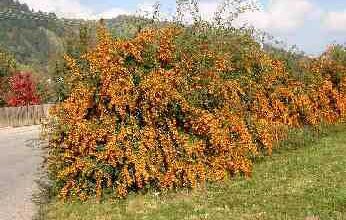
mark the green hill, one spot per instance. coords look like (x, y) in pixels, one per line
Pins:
(32, 37)
(37, 39)
(37, 42)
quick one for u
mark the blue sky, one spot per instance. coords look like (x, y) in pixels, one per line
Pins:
(309, 24)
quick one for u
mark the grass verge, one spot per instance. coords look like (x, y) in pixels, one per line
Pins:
(304, 179)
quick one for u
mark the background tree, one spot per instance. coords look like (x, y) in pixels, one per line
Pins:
(23, 90)
(7, 66)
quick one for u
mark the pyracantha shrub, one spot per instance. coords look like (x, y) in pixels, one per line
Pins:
(168, 109)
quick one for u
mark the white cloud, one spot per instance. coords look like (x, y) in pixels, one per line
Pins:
(208, 9)
(62, 8)
(146, 8)
(335, 21)
(112, 13)
(75, 9)
(280, 16)
(283, 15)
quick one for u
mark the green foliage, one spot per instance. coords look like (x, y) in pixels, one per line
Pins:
(338, 53)
(7, 63)
(7, 67)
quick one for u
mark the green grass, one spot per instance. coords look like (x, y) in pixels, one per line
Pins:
(304, 179)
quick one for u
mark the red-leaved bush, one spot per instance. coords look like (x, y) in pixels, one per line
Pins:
(22, 90)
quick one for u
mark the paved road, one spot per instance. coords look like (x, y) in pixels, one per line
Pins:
(19, 166)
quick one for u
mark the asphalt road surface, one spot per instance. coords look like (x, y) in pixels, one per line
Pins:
(20, 159)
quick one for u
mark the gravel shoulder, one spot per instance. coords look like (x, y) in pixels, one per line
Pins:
(20, 158)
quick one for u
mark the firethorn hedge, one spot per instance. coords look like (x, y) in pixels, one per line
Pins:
(170, 108)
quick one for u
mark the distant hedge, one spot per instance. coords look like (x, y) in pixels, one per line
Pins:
(175, 107)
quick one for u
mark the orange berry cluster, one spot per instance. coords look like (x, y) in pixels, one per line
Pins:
(168, 109)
